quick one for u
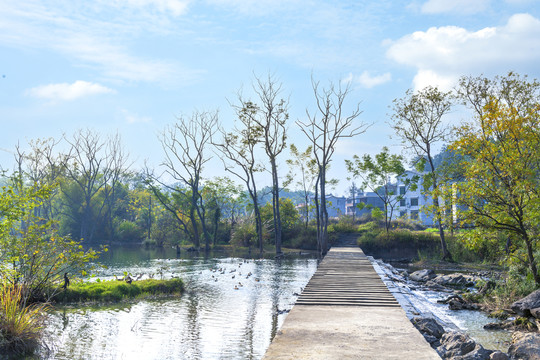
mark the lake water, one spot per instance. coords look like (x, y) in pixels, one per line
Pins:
(211, 320)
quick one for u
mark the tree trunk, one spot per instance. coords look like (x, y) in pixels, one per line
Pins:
(445, 253)
(217, 215)
(258, 225)
(275, 205)
(324, 212)
(258, 222)
(318, 217)
(532, 262)
(306, 209)
(195, 227)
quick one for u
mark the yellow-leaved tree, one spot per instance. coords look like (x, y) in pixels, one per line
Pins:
(500, 193)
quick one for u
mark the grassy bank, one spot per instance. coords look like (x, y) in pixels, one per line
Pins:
(113, 290)
(510, 279)
(407, 241)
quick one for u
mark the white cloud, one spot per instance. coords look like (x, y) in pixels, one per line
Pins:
(519, 2)
(99, 37)
(176, 7)
(67, 92)
(116, 63)
(368, 81)
(256, 7)
(455, 6)
(134, 118)
(441, 55)
(424, 78)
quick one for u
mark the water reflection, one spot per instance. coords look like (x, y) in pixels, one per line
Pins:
(211, 320)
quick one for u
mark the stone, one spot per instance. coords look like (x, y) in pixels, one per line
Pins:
(456, 302)
(498, 355)
(493, 326)
(523, 306)
(525, 346)
(455, 280)
(428, 326)
(423, 275)
(455, 343)
(478, 353)
(535, 312)
(430, 339)
(434, 286)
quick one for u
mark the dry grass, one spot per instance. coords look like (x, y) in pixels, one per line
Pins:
(21, 326)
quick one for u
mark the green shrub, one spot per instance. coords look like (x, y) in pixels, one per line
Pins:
(149, 242)
(128, 231)
(244, 233)
(345, 224)
(305, 238)
(373, 238)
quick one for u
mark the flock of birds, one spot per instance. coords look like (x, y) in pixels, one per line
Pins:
(234, 272)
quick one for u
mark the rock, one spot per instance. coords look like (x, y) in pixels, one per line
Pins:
(494, 326)
(456, 302)
(434, 286)
(535, 312)
(525, 346)
(423, 275)
(455, 280)
(498, 355)
(454, 344)
(428, 326)
(523, 306)
(430, 339)
(479, 353)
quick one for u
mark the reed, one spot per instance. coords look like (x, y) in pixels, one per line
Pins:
(21, 326)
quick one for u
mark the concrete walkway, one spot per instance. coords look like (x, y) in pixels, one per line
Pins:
(346, 312)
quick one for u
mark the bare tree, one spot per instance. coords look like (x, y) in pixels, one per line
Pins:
(418, 122)
(238, 150)
(270, 115)
(118, 161)
(302, 166)
(324, 127)
(185, 145)
(89, 169)
(42, 164)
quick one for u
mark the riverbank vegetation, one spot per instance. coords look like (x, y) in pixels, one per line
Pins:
(115, 290)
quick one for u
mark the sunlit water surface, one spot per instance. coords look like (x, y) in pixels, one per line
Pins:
(211, 320)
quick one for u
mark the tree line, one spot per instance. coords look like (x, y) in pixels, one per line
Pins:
(490, 178)
(97, 196)
(485, 181)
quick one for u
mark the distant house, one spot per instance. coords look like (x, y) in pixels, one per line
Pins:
(409, 207)
(369, 199)
(335, 205)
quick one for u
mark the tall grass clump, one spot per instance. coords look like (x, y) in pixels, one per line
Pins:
(345, 224)
(21, 326)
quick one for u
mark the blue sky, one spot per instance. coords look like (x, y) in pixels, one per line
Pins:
(132, 66)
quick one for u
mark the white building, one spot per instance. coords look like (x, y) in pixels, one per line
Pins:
(409, 207)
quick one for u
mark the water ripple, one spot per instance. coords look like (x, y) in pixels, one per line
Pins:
(212, 320)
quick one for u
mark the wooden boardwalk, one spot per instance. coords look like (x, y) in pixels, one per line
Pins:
(346, 277)
(346, 312)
